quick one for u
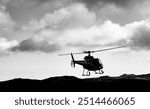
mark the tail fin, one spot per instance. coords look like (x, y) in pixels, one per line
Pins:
(73, 61)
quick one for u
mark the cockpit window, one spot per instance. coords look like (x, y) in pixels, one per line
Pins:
(100, 61)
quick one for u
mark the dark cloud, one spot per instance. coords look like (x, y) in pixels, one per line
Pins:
(95, 3)
(121, 3)
(3, 4)
(141, 39)
(62, 2)
(40, 1)
(30, 45)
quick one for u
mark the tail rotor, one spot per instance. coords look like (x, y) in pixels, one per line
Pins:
(73, 61)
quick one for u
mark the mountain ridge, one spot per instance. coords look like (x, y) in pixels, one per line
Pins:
(123, 83)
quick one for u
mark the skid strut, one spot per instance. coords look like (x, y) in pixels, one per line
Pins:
(99, 72)
(87, 73)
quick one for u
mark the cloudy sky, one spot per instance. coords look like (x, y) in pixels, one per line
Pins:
(34, 32)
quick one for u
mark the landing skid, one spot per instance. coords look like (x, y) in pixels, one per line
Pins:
(88, 72)
(99, 72)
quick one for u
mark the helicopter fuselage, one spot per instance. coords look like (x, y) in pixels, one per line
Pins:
(93, 64)
(89, 63)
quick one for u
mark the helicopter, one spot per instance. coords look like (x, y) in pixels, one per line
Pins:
(90, 63)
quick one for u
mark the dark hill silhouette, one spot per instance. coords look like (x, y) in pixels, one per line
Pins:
(123, 83)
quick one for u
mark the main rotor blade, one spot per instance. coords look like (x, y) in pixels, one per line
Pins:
(70, 53)
(109, 49)
(95, 50)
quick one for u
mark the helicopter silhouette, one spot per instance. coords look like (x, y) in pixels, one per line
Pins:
(90, 63)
